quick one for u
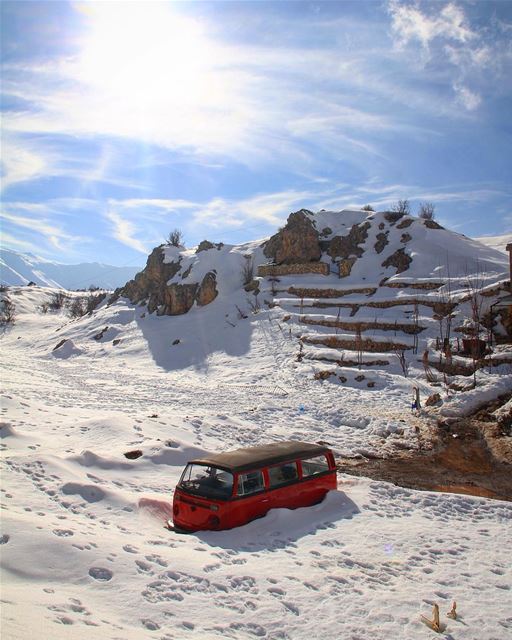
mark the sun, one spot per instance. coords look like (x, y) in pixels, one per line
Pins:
(145, 53)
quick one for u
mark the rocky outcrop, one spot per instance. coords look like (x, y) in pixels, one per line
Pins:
(178, 299)
(406, 222)
(295, 243)
(205, 245)
(348, 246)
(432, 224)
(150, 284)
(345, 266)
(393, 216)
(207, 291)
(400, 260)
(382, 241)
(151, 287)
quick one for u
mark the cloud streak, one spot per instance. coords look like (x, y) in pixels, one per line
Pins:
(41, 227)
(124, 231)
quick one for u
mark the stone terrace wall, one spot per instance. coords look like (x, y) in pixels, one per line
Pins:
(265, 270)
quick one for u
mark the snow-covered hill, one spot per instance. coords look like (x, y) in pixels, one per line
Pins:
(21, 268)
(84, 551)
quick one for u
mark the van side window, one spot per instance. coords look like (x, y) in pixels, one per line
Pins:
(312, 466)
(282, 473)
(250, 482)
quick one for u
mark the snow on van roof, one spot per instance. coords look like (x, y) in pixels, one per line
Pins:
(265, 454)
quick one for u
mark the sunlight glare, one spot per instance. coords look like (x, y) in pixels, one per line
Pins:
(144, 53)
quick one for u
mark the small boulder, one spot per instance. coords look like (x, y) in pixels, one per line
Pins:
(133, 455)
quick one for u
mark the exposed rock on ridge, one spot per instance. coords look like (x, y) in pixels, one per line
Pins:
(151, 287)
(296, 243)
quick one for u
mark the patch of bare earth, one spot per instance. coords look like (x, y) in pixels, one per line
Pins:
(471, 455)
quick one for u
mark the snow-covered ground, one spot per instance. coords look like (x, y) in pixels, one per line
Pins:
(84, 553)
(496, 242)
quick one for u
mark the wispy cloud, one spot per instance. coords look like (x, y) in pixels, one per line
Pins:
(251, 103)
(40, 227)
(410, 24)
(124, 231)
(22, 163)
(444, 34)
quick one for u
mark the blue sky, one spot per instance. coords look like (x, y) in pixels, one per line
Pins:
(125, 120)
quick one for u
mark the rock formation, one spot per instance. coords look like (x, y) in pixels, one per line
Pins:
(296, 243)
(151, 286)
(348, 246)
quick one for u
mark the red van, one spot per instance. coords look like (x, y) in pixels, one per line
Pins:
(230, 489)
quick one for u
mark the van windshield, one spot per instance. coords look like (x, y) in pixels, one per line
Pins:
(209, 482)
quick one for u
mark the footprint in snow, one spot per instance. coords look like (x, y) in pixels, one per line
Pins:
(144, 566)
(63, 533)
(100, 573)
(149, 624)
(129, 548)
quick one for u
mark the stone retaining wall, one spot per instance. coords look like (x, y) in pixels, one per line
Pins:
(413, 285)
(410, 329)
(329, 293)
(265, 270)
(365, 344)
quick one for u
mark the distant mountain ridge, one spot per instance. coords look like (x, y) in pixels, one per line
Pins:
(21, 268)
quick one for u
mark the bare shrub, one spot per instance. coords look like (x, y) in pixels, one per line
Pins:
(247, 270)
(426, 211)
(93, 301)
(403, 207)
(429, 374)
(359, 345)
(474, 285)
(175, 238)
(8, 312)
(254, 304)
(367, 207)
(77, 307)
(57, 301)
(402, 361)
(44, 307)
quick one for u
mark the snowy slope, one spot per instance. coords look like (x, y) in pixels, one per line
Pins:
(22, 268)
(496, 242)
(84, 551)
(83, 546)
